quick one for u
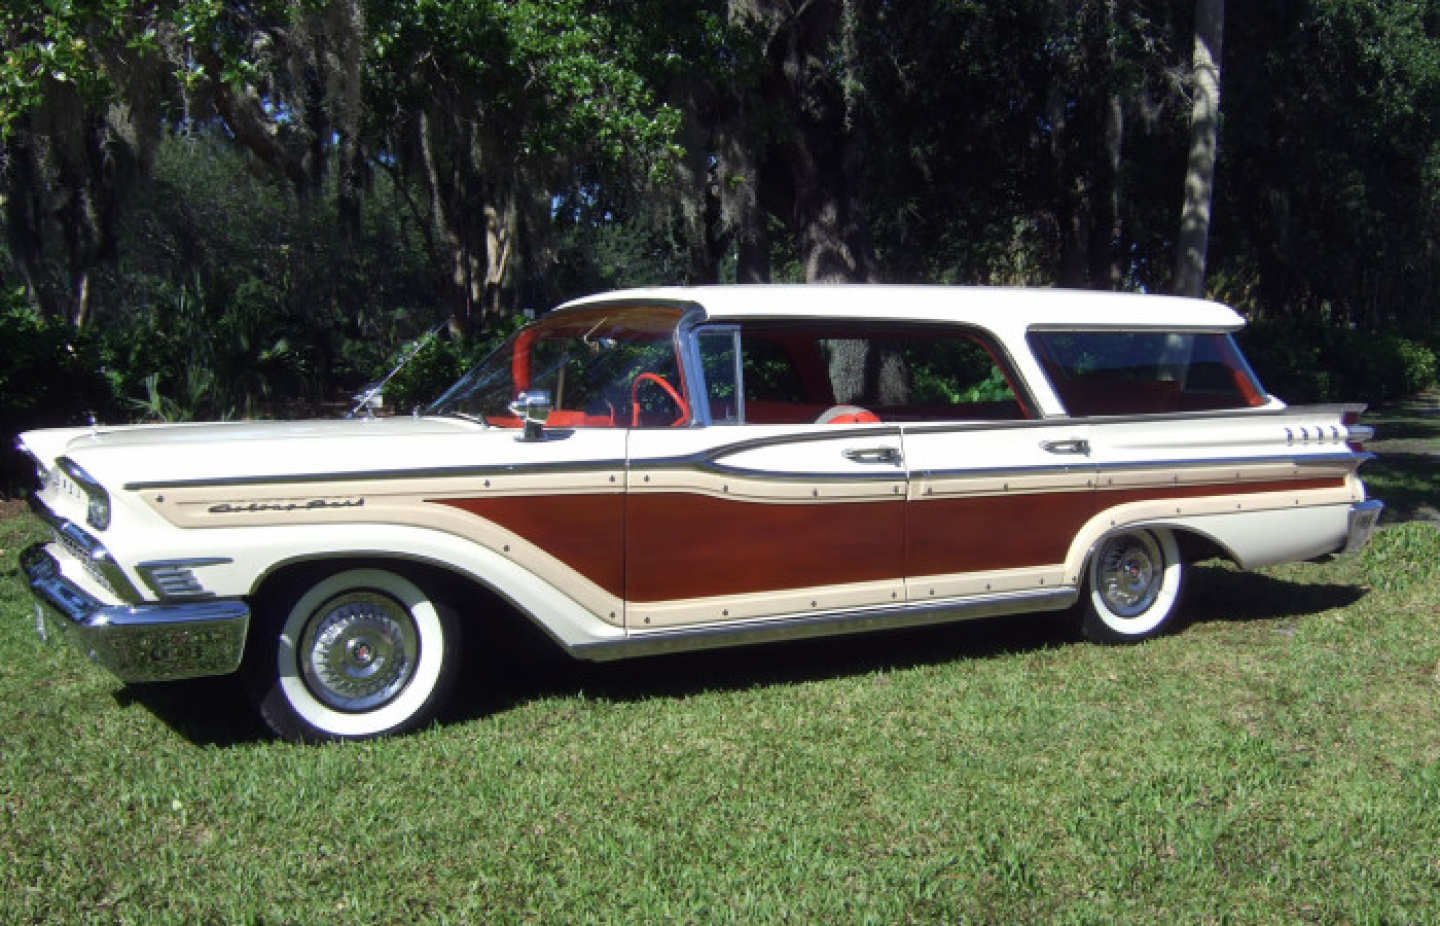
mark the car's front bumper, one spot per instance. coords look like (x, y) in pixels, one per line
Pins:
(146, 642)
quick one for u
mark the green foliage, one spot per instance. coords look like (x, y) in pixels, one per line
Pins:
(265, 200)
(1302, 361)
(49, 376)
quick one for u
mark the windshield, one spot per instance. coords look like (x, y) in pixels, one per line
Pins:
(603, 368)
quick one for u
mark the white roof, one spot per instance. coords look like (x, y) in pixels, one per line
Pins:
(1012, 309)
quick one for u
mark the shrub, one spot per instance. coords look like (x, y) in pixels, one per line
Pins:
(1306, 361)
(49, 376)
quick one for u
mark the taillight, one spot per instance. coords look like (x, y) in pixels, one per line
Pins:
(1356, 433)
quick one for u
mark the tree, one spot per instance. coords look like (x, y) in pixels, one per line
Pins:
(1194, 239)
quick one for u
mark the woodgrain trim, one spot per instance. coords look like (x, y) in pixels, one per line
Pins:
(683, 545)
(585, 532)
(719, 608)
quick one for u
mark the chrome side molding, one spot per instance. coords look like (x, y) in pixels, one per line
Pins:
(833, 623)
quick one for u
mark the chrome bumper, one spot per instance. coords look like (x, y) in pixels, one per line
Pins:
(138, 642)
(1363, 518)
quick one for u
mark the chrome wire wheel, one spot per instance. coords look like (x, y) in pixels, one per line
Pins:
(1135, 579)
(359, 650)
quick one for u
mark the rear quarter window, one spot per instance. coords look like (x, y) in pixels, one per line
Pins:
(1146, 372)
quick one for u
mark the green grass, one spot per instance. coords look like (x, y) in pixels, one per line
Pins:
(1277, 760)
(1405, 472)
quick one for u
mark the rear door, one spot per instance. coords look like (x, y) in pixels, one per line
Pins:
(994, 507)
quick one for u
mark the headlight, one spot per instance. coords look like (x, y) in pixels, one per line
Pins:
(97, 507)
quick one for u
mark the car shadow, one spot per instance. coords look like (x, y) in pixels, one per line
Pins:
(680, 675)
(206, 711)
(1215, 593)
(215, 712)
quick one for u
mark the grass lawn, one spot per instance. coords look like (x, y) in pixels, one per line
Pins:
(1277, 760)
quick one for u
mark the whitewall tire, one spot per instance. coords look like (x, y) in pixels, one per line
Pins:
(355, 654)
(1133, 586)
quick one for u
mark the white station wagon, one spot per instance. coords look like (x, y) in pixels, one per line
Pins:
(673, 469)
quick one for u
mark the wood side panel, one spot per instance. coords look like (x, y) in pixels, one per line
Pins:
(986, 532)
(585, 532)
(683, 545)
(955, 535)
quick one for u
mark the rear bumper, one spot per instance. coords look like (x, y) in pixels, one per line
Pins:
(138, 642)
(1363, 518)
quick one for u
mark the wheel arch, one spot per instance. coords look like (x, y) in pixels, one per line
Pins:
(478, 604)
(1195, 542)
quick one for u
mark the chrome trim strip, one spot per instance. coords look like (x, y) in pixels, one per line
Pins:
(1190, 463)
(1159, 327)
(174, 578)
(437, 472)
(704, 459)
(834, 623)
(96, 555)
(1322, 411)
(139, 643)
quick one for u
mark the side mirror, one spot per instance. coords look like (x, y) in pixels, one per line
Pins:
(532, 408)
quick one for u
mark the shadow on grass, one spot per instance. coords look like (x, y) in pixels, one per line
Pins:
(206, 711)
(1215, 593)
(1404, 426)
(1408, 484)
(216, 712)
(1220, 594)
(792, 662)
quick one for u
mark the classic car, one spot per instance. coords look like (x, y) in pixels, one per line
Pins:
(678, 468)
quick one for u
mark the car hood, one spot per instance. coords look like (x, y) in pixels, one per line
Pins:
(141, 454)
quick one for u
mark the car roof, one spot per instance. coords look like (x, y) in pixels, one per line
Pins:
(995, 307)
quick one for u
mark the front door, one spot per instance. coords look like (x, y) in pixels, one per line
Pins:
(752, 521)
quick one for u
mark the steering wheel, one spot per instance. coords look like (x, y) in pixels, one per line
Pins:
(847, 414)
(669, 390)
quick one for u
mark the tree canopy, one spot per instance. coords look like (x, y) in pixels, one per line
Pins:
(237, 201)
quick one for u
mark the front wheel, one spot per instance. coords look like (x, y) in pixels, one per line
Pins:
(1133, 586)
(358, 653)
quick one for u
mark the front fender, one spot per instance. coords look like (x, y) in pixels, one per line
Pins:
(572, 611)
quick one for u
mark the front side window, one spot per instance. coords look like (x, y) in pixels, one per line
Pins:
(849, 372)
(1146, 372)
(601, 367)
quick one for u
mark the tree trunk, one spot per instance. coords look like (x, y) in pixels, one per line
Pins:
(1194, 240)
(822, 153)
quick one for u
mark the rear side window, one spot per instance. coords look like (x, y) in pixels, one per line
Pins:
(1144, 372)
(797, 373)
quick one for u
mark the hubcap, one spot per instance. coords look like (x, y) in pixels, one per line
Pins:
(1131, 570)
(358, 650)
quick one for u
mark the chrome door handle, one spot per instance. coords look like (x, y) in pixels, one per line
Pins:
(1081, 447)
(873, 455)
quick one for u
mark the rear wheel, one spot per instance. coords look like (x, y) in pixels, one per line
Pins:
(1134, 586)
(351, 655)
